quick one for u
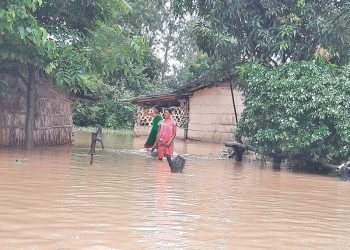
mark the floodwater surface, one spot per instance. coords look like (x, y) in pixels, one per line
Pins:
(51, 198)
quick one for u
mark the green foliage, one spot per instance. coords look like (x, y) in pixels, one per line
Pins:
(98, 49)
(22, 38)
(200, 65)
(113, 49)
(109, 112)
(77, 42)
(300, 109)
(108, 53)
(169, 35)
(79, 15)
(83, 46)
(271, 31)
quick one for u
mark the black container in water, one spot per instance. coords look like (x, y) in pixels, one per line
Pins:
(177, 165)
(154, 153)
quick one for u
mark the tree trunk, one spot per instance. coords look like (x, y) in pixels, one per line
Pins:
(31, 104)
(233, 101)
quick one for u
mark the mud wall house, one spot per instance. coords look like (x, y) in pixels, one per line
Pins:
(53, 113)
(203, 112)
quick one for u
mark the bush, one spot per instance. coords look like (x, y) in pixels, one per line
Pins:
(301, 109)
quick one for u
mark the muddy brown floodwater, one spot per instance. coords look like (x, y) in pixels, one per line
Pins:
(51, 198)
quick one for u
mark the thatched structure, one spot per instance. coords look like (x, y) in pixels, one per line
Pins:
(53, 113)
(203, 111)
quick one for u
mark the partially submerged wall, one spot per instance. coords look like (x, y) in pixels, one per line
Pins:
(212, 116)
(53, 114)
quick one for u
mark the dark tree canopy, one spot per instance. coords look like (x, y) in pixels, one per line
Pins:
(271, 31)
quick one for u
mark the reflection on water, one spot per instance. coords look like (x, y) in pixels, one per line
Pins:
(51, 198)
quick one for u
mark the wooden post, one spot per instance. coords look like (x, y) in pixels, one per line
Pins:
(184, 104)
(91, 159)
(95, 136)
(233, 101)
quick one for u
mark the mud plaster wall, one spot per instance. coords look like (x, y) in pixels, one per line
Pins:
(212, 116)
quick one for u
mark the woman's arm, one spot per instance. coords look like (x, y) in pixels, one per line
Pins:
(174, 134)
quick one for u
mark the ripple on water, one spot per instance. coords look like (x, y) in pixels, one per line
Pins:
(127, 200)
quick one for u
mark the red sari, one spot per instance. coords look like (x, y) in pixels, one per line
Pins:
(165, 133)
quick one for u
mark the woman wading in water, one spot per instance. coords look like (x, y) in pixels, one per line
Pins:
(153, 134)
(165, 137)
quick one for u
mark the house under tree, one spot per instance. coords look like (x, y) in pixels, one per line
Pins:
(203, 112)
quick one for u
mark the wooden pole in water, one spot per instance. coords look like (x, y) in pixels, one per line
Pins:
(95, 136)
(91, 159)
(233, 100)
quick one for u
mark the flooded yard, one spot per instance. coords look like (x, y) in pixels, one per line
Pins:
(51, 198)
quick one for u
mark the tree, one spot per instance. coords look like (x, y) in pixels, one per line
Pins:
(292, 107)
(300, 109)
(24, 47)
(167, 50)
(63, 38)
(169, 35)
(272, 32)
